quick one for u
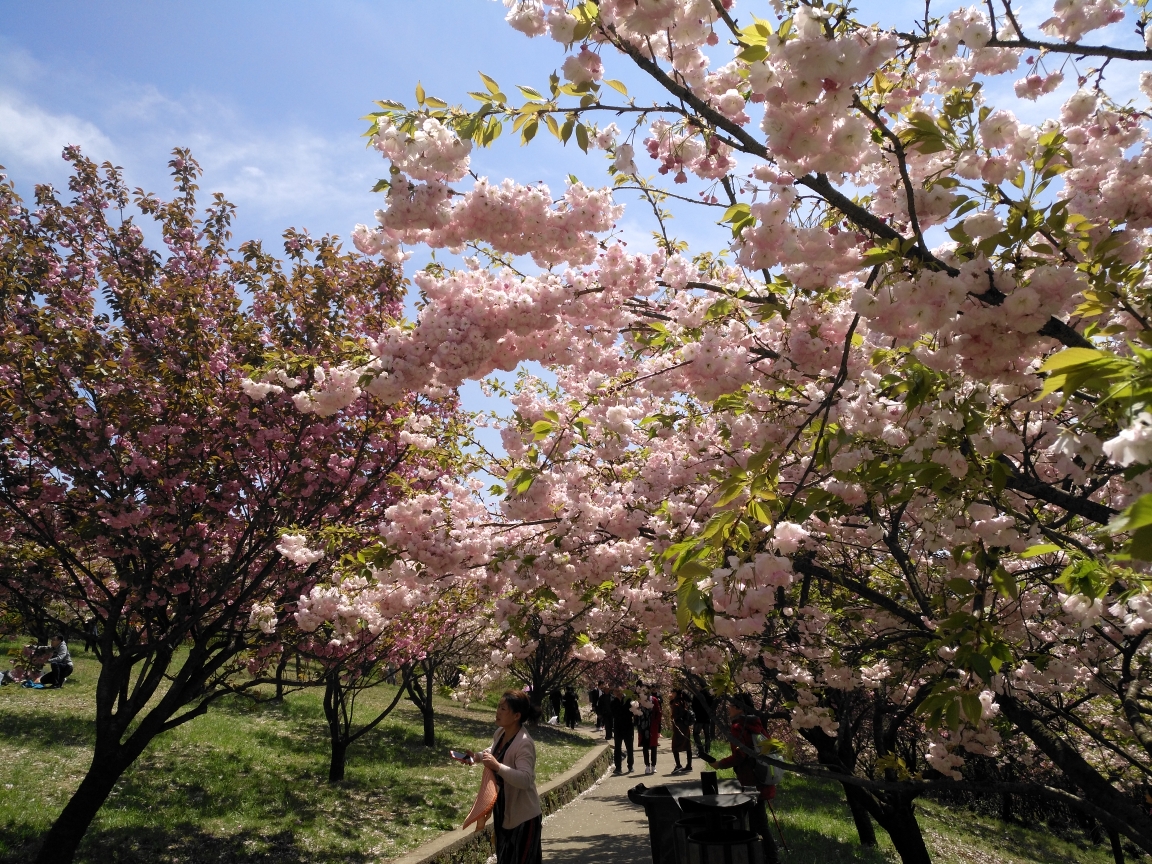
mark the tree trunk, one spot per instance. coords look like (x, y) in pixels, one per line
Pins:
(1006, 807)
(898, 818)
(860, 816)
(280, 677)
(1117, 851)
(1097, 790)
(427, 711)
(63, 838)
(336, 763)
(337, 733)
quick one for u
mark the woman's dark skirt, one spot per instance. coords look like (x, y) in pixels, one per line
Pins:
(519, 845)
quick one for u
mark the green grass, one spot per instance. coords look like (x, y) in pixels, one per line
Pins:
(819, 830)
(248, 783)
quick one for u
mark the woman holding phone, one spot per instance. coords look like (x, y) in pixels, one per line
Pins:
(516, 817)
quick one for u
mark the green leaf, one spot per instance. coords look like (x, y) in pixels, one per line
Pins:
(1136, 515)
(582, 136)
(729, 492)
(1140, 546)
(529, 93)
(952, 714)
(691, 603)
(1005, 583)
(618, 86)
(973, 707)
(419, 93)
(541, 429)
(491, 84)
(1042, 549)
(759, 512)
(736, 211)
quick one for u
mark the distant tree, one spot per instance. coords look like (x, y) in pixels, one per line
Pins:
(174, 451)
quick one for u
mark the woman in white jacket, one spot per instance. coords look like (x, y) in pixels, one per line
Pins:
(512, 758)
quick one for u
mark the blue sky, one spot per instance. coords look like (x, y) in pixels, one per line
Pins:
(268, 95)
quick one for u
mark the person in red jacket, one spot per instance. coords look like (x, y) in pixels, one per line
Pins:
(745, 727)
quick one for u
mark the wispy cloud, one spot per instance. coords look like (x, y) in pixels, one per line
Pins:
(33, 136)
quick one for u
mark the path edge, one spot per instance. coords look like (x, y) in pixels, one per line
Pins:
(470, 847)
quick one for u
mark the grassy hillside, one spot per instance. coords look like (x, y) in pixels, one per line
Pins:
(247, 783)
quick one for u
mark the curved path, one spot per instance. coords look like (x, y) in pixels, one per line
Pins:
(602, 826)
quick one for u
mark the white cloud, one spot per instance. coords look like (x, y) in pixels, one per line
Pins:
(31, 136)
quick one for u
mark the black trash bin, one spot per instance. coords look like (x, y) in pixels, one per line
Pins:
(663, 813)
(700, 822)
(736, 804)
(712, 846)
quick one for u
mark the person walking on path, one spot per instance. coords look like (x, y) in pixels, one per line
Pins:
(702, 706)
(516, 816)
(622, 728)
(571, 708)
(594, 701)
(681, 708)
(746, 726)
(604, 706)
(648, 728)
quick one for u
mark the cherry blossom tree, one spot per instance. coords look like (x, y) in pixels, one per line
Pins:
(172, 454)
(882, 454)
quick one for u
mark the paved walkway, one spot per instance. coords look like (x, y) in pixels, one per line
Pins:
(603, 826)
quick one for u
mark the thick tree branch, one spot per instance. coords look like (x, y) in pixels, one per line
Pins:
(1019, 482)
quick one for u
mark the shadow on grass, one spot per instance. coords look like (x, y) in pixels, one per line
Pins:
(805, 809)
(47, 728)
(185, 844)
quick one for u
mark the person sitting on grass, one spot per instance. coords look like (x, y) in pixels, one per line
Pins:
(59, 661)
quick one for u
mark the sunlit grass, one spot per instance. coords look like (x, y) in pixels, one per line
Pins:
(247, 783)
(819, 830)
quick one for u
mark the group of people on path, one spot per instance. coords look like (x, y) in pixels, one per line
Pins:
(631, 720)
(511, 759)
(624, 718)
(567, 701)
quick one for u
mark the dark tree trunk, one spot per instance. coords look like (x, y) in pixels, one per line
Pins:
(336, 763)
(280, 676)
(63, 839)
(427, 711)
(420, 694)
(860, 816)
(1006, 807)
(1112, 807)
(898, 818)
(337, 728)
(1117, 851)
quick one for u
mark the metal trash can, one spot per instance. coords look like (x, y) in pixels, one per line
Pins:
(736, 804)
(700, 822)
(712, 846)
(663, 813)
